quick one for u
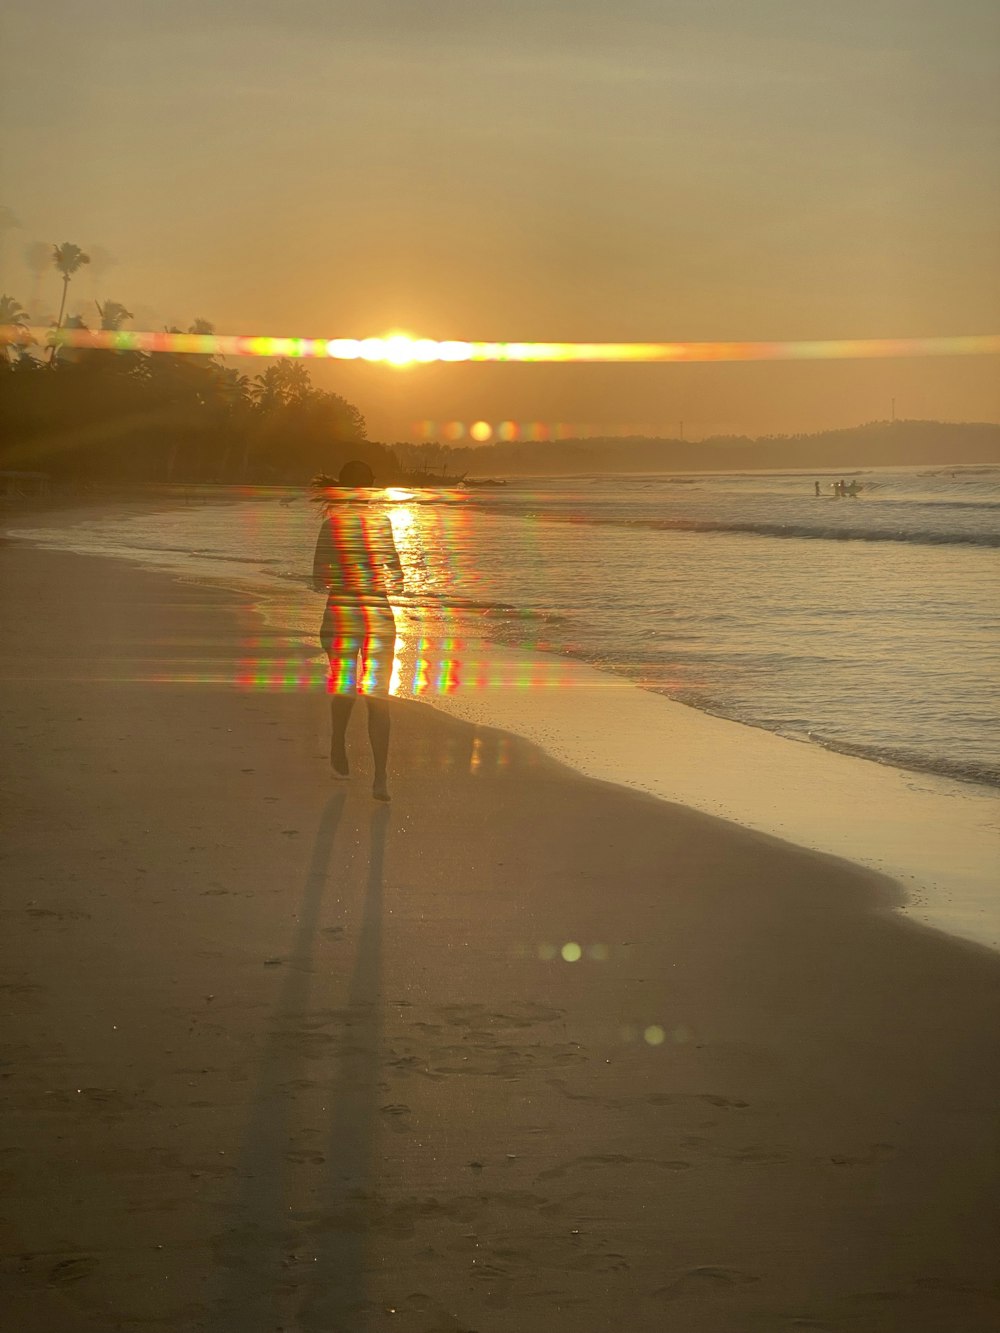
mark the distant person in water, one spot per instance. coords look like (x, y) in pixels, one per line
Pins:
(355, 553)
(817, 487)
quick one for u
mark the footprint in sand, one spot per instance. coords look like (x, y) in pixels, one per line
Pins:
(396, 1113)
(877, 1297)
(878, 1152)
(72, 1270)
(758, 1156)
(706, 1277)
(67, 913)
(103, 1095)
(461, 1014)
(609, 1103)
(409, 1064)
(677, 1098)
(527, 1015)
(654, 1098)
(310, 1045)
(612, 1159)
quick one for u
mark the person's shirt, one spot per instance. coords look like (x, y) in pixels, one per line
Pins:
(354, 548)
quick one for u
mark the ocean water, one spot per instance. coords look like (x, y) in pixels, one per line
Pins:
(869, 626)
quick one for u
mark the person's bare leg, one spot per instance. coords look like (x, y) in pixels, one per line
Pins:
(340, 715)
(378, 734)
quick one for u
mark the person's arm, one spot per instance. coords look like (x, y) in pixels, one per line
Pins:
(321, 559)
(390, 555)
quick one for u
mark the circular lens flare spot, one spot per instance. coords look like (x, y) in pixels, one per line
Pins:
(572, 953)
(654, 1035)
(481, 431)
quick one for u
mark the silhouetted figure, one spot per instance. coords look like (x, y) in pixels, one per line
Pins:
(354, 550)
(817, 488)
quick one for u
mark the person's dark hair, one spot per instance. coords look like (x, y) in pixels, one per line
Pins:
(356, 474)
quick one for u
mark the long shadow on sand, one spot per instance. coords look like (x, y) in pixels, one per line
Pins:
(307, 1245)
(335, 1296)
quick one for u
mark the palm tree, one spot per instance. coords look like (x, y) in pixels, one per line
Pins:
(13, 325)
(12, 313)
(67, 259)
(113, 314)
(282, 383)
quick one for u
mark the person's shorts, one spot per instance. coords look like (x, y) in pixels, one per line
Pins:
(360, 641)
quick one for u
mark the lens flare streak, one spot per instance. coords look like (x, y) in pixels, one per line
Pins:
(398, 349)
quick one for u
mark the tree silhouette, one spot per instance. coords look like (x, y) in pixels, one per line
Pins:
(67, 259)
(113, 314)
(94, 415)
(282, 384)
(12, 312)
(14, 322)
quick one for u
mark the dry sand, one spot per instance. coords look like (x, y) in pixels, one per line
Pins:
(276, 1057)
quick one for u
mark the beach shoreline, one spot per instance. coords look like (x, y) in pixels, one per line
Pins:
(523, 1047)
(935, 835)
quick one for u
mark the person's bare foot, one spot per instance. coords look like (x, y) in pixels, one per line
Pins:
(380, 789)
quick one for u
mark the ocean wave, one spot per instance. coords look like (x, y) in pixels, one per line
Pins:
(914, 761)
(449, 602)
(819, 532)
(775, 528)
(986, 774)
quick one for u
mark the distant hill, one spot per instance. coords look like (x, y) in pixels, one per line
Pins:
(876, 444)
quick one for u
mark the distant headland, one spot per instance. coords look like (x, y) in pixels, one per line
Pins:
(874, 444)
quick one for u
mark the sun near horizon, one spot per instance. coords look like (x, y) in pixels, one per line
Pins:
(709, 172)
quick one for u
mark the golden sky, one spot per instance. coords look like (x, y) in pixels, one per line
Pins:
(528, 169)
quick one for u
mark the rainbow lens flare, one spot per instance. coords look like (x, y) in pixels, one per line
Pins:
(399, 349)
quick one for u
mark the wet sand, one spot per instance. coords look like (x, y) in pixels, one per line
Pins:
(277, 1057)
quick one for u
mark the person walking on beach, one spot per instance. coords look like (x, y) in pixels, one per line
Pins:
(355, 552)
